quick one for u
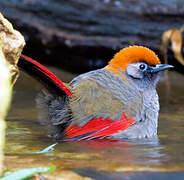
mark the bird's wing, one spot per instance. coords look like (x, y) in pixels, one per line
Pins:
(97, 113)
(98, 128)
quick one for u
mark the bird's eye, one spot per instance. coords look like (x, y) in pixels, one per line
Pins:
(143, 66)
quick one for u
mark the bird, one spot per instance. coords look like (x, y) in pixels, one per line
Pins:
(118, 101)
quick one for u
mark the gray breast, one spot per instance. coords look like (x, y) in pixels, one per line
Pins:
(147, 127)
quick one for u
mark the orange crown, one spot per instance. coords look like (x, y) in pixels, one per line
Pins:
(133, 54)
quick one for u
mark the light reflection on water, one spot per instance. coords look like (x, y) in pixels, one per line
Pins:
(25, 134)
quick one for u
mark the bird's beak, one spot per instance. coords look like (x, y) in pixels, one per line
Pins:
(159, 67)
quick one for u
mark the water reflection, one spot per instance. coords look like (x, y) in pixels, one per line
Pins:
(128, 152)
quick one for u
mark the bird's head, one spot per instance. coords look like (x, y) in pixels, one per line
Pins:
(140, 65)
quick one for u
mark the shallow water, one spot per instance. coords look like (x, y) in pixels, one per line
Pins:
(161, 158)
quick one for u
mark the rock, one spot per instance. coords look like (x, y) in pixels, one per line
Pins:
(84, 34)
(66, 175)
(11, 44)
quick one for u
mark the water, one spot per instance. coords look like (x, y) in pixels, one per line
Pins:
(161, 158)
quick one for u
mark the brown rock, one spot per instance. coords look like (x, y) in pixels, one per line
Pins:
(11, 43)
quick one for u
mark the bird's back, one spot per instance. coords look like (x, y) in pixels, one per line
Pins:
(101, 93)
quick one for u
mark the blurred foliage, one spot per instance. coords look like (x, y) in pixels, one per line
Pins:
(173, 36)
(5, 96)
(46, 150)
(26, 173)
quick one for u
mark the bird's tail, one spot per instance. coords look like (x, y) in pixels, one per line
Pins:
(55, 113)
(42, 74)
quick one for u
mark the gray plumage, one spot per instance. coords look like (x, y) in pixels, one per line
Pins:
(102, 93)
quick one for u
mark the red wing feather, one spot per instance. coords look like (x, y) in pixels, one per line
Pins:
(98, 128)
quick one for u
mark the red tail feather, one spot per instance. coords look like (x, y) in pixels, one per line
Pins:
(48, 75)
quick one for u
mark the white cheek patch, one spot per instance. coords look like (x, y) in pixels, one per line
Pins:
(132, 70)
